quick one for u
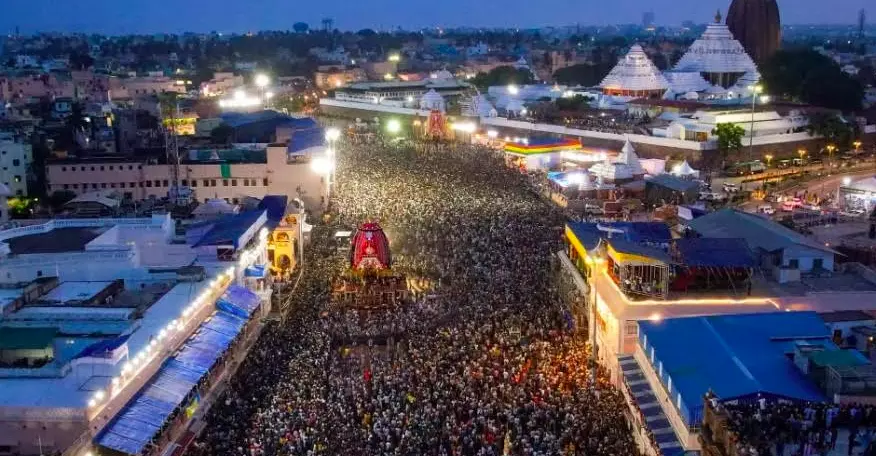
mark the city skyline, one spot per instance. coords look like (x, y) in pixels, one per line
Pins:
(166, 16)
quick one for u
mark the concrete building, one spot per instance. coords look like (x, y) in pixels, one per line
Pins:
(15, 158)
(230, 174)
(221, 84)
(95, 310)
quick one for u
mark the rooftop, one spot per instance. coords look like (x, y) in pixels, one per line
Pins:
(635, 71)
(27, 338)
(55, 241)
(846, 316)
(735, 356)
(759, 232)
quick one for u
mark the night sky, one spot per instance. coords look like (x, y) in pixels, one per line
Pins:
(153, 16)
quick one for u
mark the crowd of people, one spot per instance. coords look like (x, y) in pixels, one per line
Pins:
(484, 363)
(767, 428)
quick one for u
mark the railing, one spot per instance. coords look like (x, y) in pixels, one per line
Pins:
(81, 223)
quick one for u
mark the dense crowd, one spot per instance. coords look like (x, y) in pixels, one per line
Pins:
(482, 364)
(770, 428)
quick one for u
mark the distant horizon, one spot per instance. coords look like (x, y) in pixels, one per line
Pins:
(110, 17)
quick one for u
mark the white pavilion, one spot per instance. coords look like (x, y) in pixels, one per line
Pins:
(635, 76)
(432, 101)
(716, 56)
(627, 167)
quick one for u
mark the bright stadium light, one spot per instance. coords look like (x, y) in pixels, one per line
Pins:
(394, 58)
(393, 126)
(512, 89)
(493, 134)
(322, 166)
(332, 134)
(262, 80)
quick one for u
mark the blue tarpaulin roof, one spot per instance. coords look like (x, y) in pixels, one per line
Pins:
(736, 356)
(304, 139)
(258, 271)
(276, 207)
(639, 232)
(238, 301)
(225, 230)
(141, 419)
(103, 347)
(714, 252)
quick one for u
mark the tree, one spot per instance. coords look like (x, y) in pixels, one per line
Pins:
(300, 27)
(585, 74)
(59, 198)
(729, 139)
(575, 103)
(222, 134)
(833, 129)
(503, 75)
(809, 77)
(80, 61)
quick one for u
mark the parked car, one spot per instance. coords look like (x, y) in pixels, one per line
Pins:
(730, 187)
(766, 209)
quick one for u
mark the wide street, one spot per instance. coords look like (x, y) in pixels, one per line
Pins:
(482, 365)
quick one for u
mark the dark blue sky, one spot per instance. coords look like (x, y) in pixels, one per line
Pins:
(152, 16)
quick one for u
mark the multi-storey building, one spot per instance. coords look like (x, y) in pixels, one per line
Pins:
(15, 157)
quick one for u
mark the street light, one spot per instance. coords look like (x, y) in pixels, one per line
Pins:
(801, 153)
(262, 80)
(512, 89)
(332, 135)
(857, 144)
(393, 126)
(755, 90)
(830, 148)
(595, 268)
(769, 158)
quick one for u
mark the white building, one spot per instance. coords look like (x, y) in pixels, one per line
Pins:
(717, 56)
(114, 299)
(15, 157)
(635, 76)
(4, 206)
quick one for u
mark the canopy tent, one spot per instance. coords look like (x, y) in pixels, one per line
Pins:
(684, 170)
(136, 425)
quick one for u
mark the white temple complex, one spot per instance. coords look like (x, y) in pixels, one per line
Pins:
(635, 76)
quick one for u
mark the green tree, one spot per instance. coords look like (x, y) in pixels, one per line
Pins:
(576, 103)
(833, 129)
(729, 139)
(222, 134)
(584, 74)
(59, 198)
(502, 75)
(300, 27)
(809, 77)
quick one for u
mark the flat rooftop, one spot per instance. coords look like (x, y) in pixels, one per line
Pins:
(55, 241)
(72, 293)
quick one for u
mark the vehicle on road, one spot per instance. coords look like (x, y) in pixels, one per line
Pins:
(766, 209)
(730, 187)
(790, 204)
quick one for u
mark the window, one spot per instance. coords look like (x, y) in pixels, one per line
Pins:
(794, 264)
(130, 167)
(631, 328)
(818, 263)
(141, 184)
(111, 167)
(92, 168)
(246, 182)
(185, 182)
(265, 182)
(103, 185)
(225, 182)
(75, 186)
(113, 185)
(235, 200)
(63, 168)
(39, 273)
(93, 185)
(206, 183)
(102, 168)
(66, 186)
(132, 185)
(81, 168)
(139, 166)
(234, 182)
(165, 183)
(157, 183)
(16, 162)
(149, 184)
(194, 183)
(212, 182)
(17, 178)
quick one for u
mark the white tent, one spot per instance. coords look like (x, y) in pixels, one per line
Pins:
(684, 170)
(432, 101)
(213, 208)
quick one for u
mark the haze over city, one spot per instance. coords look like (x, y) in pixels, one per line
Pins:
(168, 16)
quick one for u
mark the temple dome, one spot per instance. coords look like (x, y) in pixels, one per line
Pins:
(432, 101)
(757, 25)
(717, 56)
(634, 75)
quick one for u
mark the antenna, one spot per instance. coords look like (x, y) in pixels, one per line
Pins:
(862, 22)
